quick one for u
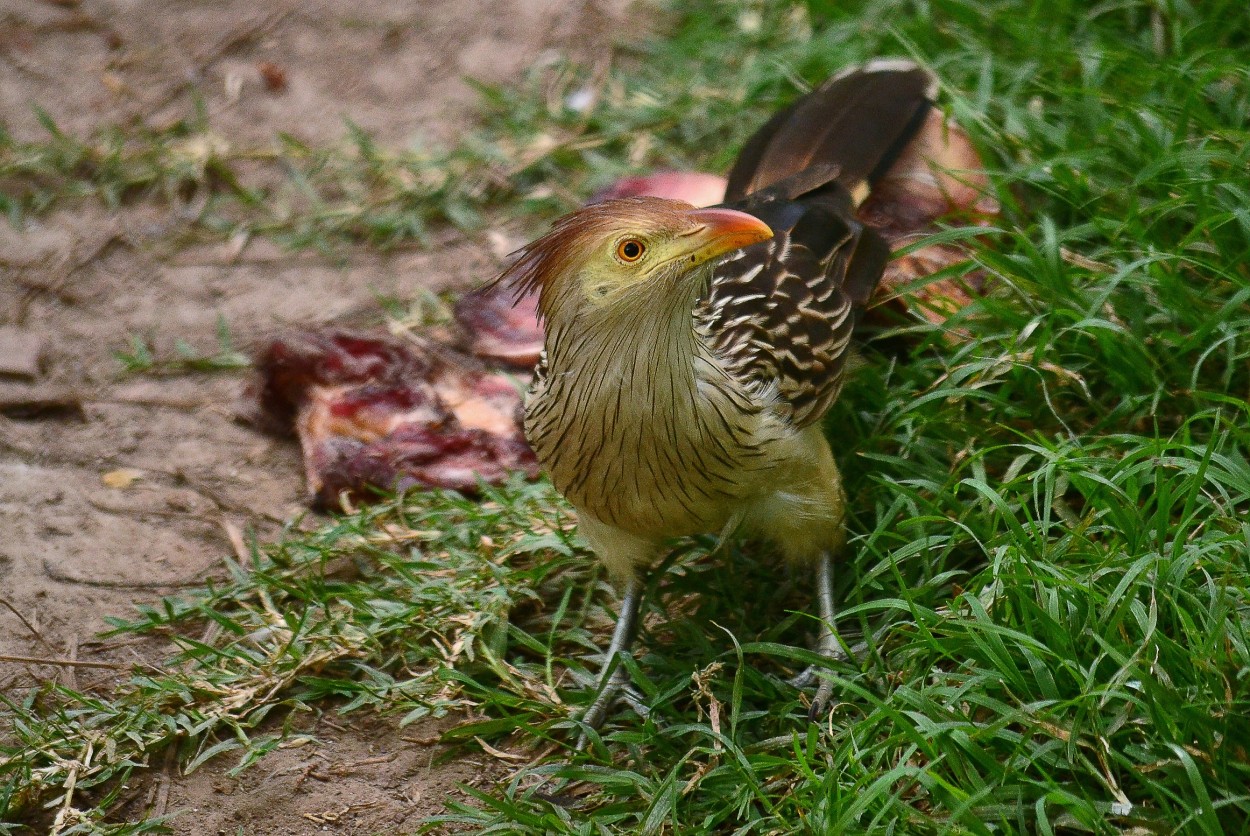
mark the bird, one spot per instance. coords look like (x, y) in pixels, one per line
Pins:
(690, 355)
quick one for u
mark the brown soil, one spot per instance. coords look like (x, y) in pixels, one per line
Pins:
(360, 776)
(75, 549)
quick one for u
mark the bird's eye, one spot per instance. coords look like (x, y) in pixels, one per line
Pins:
(630, 250)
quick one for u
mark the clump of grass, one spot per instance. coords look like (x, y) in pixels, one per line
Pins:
(141, 358)
(349, 191)
(395, 603)
(1050, 564)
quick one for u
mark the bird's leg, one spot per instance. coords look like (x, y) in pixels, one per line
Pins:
(828, 645)
(614, 677)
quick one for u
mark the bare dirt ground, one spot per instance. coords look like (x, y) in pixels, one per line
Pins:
(74, 549)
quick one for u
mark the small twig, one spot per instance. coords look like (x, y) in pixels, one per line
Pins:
(163, 781)
(308, 770)
(326, 721)
(184, 479)
(61, 577)
(141, 512)
(115, 644)
(498, 754)
(60, 662)
(180, 404)
(1073, 257)
(32, 628)
(62, 816)
(67, 671)
(348, 768)
(217, 499)
(235, 536)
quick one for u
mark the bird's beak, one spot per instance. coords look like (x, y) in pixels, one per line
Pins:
(722, 231)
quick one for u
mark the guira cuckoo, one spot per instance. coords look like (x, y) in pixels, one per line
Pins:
(690, 354)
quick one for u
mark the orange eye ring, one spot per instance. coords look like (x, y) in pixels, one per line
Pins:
(630, 250)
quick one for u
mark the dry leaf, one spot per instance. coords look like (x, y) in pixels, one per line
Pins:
(121, 478)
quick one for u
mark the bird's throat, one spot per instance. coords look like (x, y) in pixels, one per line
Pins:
(637, 345)
(638, 424)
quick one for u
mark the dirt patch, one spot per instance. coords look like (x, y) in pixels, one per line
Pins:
(347, 775)
(395, 69)
(135, 487)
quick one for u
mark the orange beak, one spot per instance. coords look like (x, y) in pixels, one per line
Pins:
(722, 231)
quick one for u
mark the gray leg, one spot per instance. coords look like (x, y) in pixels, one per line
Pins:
(614, 677)
(827, 645)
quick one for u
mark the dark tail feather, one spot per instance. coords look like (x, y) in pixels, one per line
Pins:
(853, 127)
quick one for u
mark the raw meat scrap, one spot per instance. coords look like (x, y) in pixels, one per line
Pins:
(370, 411)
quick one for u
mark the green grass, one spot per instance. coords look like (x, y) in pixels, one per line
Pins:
(1050, 552)
(141, 358)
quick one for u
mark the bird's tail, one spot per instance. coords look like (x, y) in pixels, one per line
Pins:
(850, 129)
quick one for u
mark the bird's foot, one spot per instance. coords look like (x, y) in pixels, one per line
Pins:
(820, 701)
(834, 651)
(618, 688)
(806, 678)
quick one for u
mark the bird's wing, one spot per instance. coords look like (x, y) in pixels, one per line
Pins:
(859, 120)
(780, 313)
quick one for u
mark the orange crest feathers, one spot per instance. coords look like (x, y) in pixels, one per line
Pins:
(540, 264)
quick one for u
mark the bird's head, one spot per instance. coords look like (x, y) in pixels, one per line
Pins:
(615, 250)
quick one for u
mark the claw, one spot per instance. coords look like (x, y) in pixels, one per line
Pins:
(820, 701)
(804, 679)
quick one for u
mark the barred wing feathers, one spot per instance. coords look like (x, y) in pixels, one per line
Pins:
(779, 315)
